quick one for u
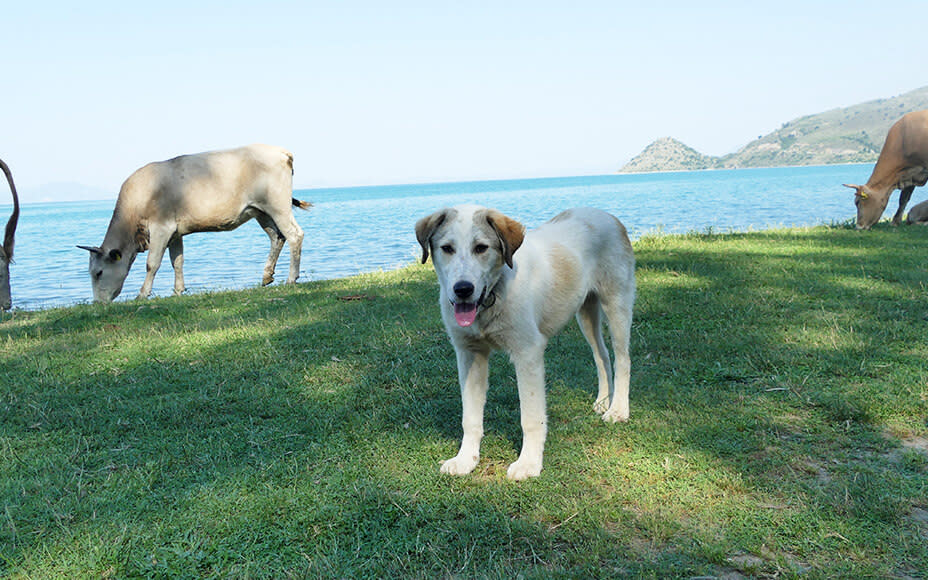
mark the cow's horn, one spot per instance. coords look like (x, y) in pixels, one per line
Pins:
(859, 189)
(90, 249)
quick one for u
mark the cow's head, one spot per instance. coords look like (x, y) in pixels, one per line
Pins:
(870, 205)
(6, 249)
(108, 271)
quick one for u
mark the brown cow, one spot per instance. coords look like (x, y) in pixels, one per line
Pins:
(903, 164)
(6, 249)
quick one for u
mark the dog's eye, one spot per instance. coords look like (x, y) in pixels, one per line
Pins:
(481, 248)
(448, 249)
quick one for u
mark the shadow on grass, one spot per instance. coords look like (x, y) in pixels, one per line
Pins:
(299, 430)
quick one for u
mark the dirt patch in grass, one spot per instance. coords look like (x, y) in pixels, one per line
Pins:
(916, 443)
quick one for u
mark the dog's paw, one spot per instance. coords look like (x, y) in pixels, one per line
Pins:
(523, 469)
(459, 465)
(614, 416)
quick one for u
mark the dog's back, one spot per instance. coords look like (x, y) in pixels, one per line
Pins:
(593, 234)
(579, 252)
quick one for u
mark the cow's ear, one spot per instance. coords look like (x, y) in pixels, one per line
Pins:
(425, 229)
(115, 255)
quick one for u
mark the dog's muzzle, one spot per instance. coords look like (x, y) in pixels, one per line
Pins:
(465, 311)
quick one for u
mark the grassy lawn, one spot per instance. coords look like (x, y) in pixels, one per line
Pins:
(779, 428)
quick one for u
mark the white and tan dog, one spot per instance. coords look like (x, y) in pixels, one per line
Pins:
(492, 298)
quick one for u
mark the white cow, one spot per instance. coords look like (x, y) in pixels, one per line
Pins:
(918, 214)
(213, 191)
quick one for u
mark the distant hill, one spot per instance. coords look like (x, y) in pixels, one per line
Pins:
(846, 135)
(668, 154)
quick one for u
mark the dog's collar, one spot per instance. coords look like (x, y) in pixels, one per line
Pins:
(489, 296)
(489, 299)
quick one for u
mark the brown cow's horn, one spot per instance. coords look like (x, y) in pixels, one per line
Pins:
(859, 189)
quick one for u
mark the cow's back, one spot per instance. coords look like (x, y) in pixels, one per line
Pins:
(210, 190)
(913, 136)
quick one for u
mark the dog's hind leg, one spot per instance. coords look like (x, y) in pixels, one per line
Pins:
(589, 317)
(619, 314)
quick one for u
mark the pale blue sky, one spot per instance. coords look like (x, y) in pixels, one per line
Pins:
(366, 92)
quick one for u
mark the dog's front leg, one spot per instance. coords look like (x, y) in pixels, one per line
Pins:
(473, 369)
(530, 374)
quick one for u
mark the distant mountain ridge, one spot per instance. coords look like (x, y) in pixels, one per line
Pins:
(845, 135)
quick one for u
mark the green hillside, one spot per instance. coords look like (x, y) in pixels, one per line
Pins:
(845, 135)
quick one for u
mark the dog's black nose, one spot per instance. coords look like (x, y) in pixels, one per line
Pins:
(463, 289)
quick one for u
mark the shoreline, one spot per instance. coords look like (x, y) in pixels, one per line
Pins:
(201, 290)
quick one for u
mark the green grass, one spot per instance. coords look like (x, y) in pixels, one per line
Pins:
(779, 391)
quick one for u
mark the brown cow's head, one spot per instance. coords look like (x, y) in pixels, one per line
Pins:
(870, 205)
(6, 249)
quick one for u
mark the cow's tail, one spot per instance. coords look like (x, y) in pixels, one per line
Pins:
(289, 160)
(296, 202)
(301, 204)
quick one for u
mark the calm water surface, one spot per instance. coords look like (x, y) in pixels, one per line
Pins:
(363, 229)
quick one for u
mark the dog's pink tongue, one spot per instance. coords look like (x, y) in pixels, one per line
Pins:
(465, 313)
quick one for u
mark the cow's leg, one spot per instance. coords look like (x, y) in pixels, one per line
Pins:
(157, 242)
(294, 235)
(904, 197)
(176, 252)
(277, 244)
(287, 227)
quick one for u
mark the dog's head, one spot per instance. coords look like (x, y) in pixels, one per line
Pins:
(470, 245)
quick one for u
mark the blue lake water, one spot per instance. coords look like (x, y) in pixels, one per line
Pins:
(363, 229)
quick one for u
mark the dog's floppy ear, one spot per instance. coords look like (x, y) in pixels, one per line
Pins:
(510, 232)
(426, 227)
